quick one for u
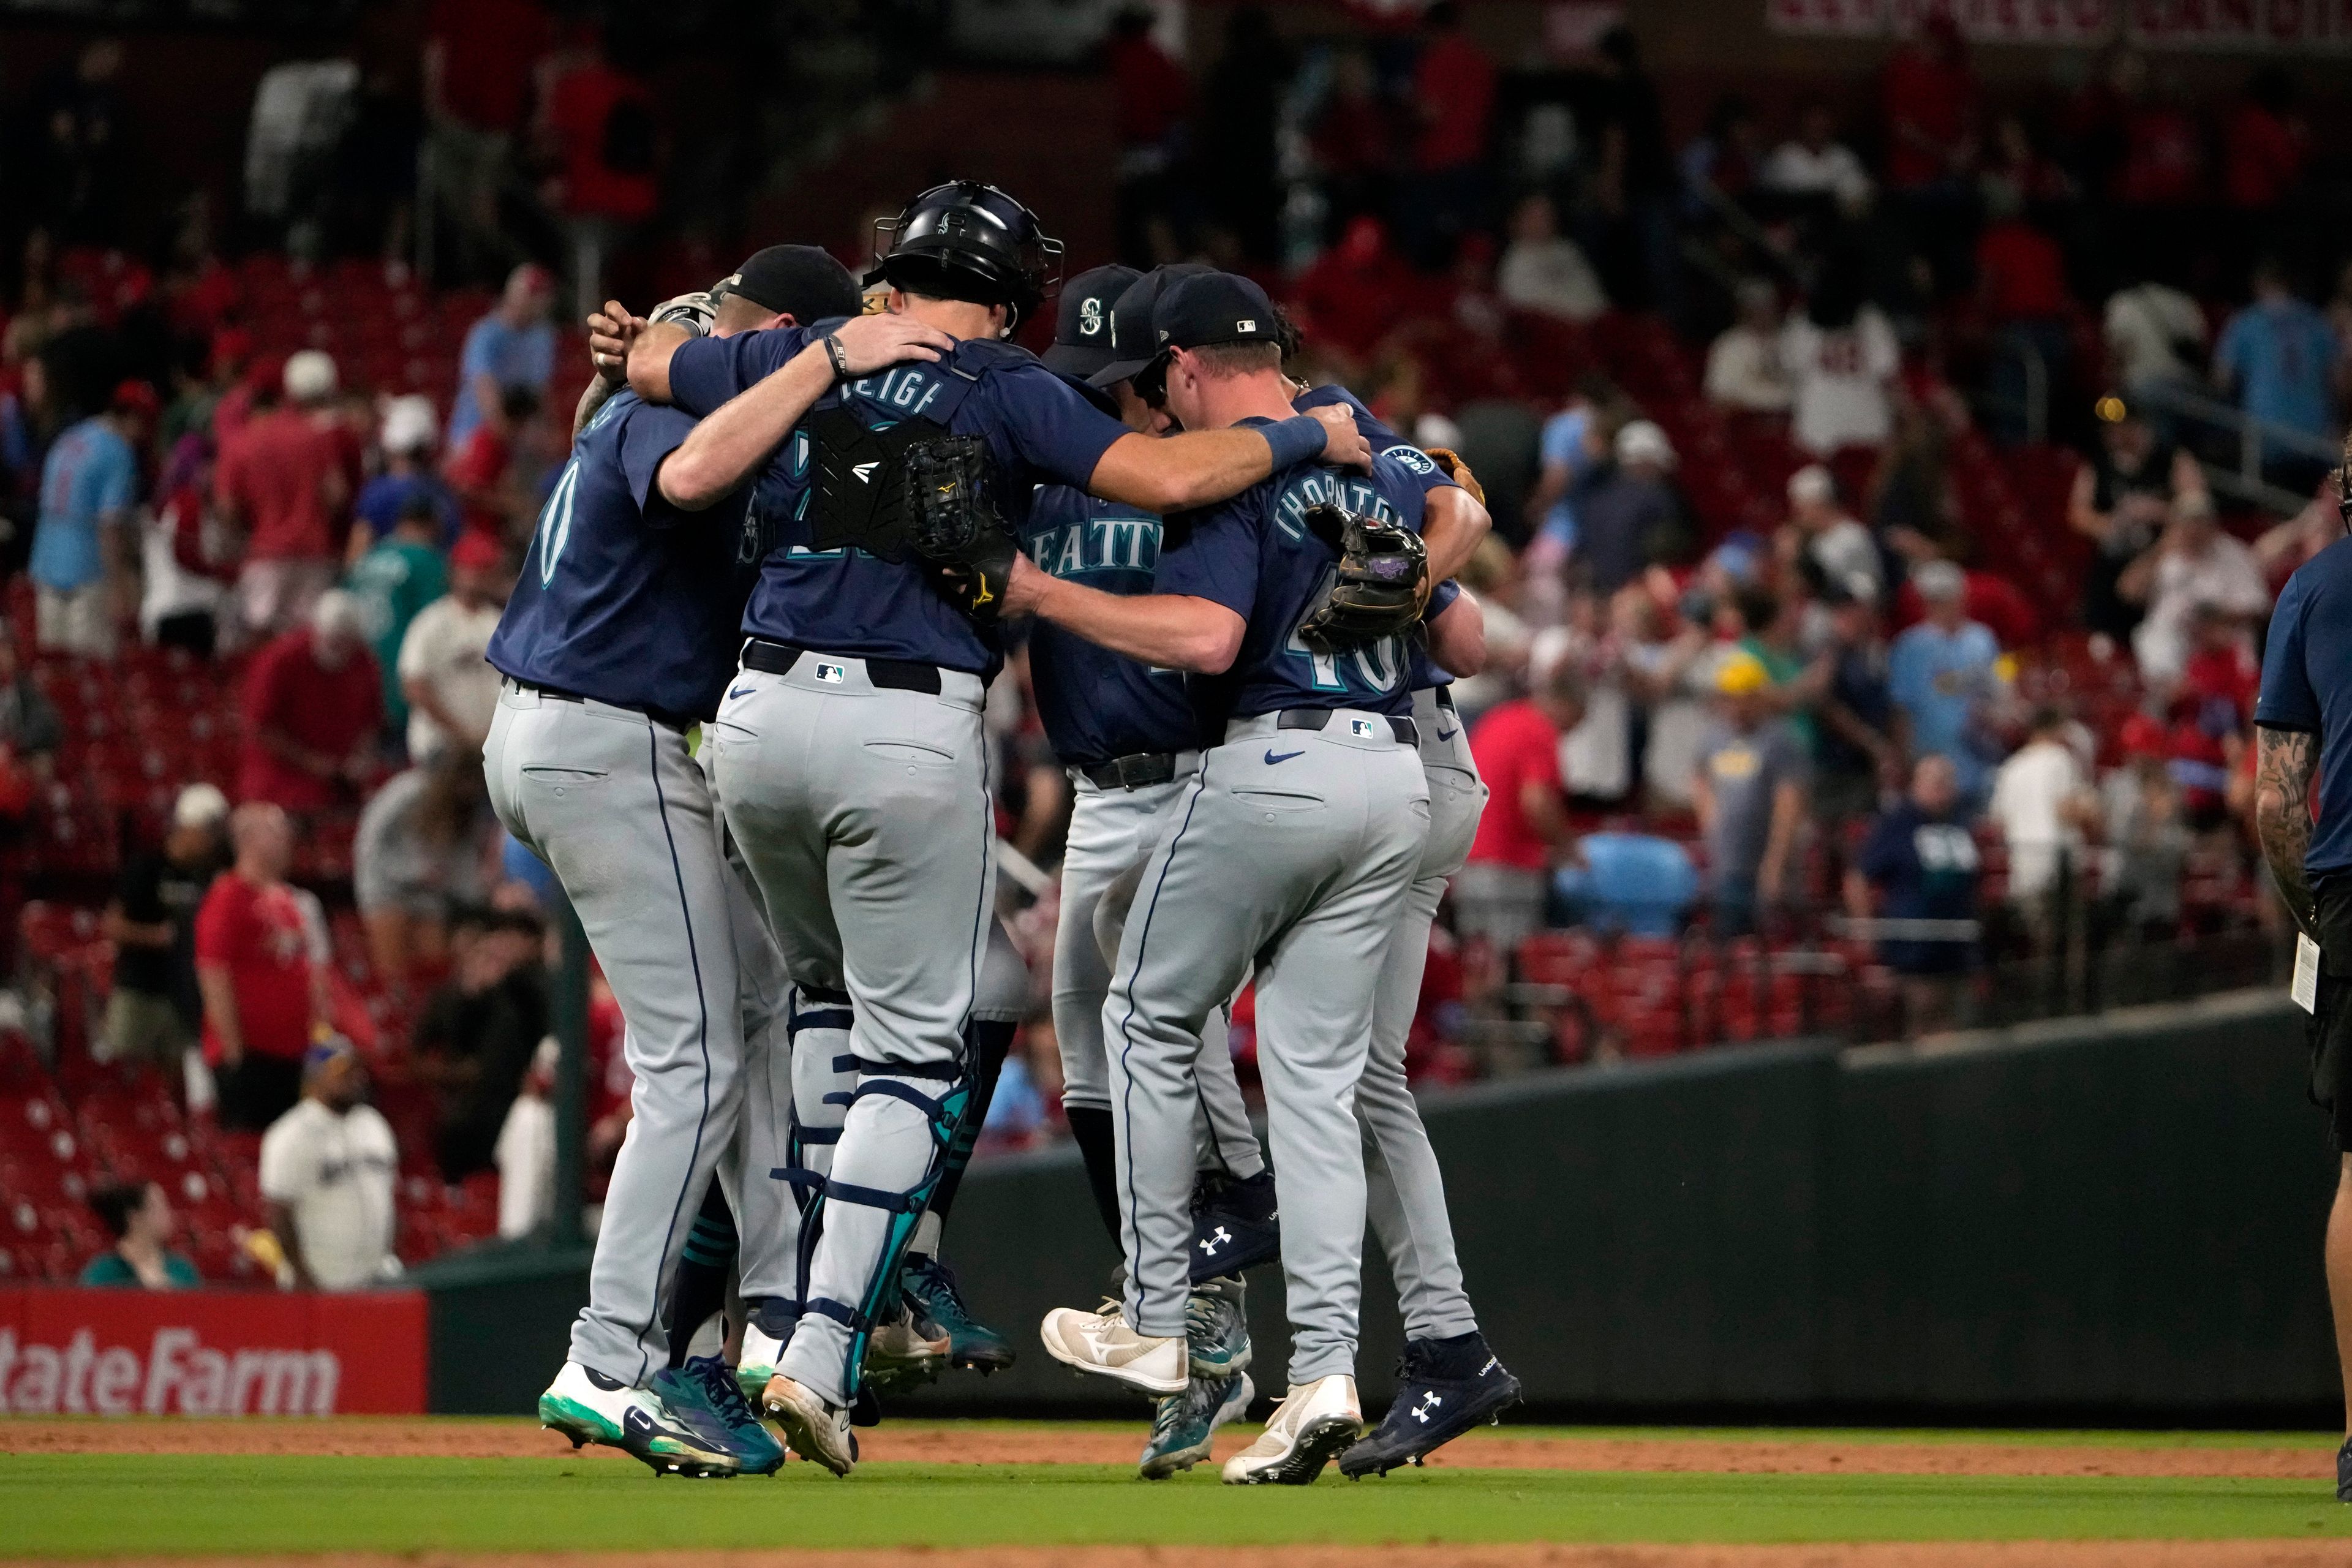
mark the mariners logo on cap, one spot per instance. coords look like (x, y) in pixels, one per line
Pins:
(1090, 317)
(831, 674)
(1361, 729)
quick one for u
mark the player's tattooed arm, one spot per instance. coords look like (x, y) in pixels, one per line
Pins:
(610, 332)
(2284, 764)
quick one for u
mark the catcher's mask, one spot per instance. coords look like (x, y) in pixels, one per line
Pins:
(965, 240)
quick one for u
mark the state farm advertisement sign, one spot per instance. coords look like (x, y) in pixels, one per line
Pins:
(211, 1352)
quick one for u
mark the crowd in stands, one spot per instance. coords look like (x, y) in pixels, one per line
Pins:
(1827, 694)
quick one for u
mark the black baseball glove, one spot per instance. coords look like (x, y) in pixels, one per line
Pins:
(952, 523)
(1383, 584)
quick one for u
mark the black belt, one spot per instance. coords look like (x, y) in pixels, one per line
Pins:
(893, 673)
(1132, 772)
(662, 716)
(1406, 732)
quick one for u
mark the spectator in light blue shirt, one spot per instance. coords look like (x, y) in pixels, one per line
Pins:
(81, 546)
(2278, 355)
(1941, 672)
(514, 345)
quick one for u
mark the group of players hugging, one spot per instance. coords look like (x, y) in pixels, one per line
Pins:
(740, 719)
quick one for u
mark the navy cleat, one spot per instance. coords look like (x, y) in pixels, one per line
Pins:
(1445, 1387)
(704, 1396)
(931, 1292)
(1185, 1425)
(1235, 1227)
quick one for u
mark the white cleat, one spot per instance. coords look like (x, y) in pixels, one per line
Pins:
(757, 1364)
(1102, 1343)
(589, 1407)
(813, 1429)
(1308, 1431)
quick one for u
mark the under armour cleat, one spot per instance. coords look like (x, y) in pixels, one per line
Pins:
(1445, 1387)
(1311, 1426)
(1236, 1229)
(590, 1408)
(931, 1292)
(1185, 1423)
(1216, 1330)
(703, 1394)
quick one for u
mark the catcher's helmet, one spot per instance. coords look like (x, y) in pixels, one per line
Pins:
(965, 240)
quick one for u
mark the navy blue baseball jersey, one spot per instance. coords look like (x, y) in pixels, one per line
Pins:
(622, 597)
(1389, 444)
(2308, 685)
(1039, 431)
(1254, 556)
(1097, 704)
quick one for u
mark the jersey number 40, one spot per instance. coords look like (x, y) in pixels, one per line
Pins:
(1375, 667)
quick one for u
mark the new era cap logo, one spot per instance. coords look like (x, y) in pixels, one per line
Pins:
(831, 674)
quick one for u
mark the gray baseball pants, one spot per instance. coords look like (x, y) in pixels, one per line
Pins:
(1112, 834)
(864, 815)
(1405, 1190)
(1291, 849)
(624, 817)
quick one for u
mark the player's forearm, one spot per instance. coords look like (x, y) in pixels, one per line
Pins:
(1453, 522)
(592, 397)
(1180, 472)
(1457, 637)
(649, 357)
(1167, 631)
(2285, 762)
(729, 446)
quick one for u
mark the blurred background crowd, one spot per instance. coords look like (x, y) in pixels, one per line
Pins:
(1893, 466)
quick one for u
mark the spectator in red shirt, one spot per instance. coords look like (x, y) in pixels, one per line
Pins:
(598, 122)
(2265, 145)
(1500, 893)
(281, 478)
(478, 56)
(1357, 290)
(2021, 286)
(1932, 100)
(314, 711)
(263, 995)
(480, 470)
(1454, 105)
(1150, 96)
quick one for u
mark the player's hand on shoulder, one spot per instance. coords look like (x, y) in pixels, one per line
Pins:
(610, 333)
(1343, 443)
(870, 343)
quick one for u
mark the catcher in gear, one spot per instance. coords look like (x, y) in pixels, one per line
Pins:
(1382, 585)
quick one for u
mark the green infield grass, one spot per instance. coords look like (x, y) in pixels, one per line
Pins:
(57, 1505)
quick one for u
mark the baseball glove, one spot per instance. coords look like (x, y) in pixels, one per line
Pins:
(953, 525)
(1382, 586)
(1458, 470)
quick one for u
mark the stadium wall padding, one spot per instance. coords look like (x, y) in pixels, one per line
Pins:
(2114, 1218)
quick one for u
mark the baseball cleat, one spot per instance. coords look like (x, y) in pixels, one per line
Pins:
(1184, 1424)
(1236, 1228)
(815, 1429)
(931, 1290)
(1216, 1331)
(703, 1394)
(590, 1408)
(1312, 1424)
(900, 1355)
(1101, 1343)
(2344, 1472)
(756, 1363)
(1445, 1387)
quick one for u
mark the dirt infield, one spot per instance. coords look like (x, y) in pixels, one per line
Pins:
(950, 1442)
(1893, 1555)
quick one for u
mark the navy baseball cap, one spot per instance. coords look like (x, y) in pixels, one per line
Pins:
(1213, 307)
(797, 280)
(1133, 346)
(1082, 331)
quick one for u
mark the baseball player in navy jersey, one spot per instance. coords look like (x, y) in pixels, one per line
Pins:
(848, 752)
(613, 645)
(1290, 851)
